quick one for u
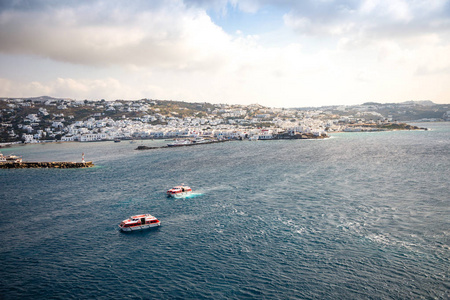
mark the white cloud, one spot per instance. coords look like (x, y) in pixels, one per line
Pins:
(107, 88)
(380, 17)
(172, 36)
(397, 10)
(344, 51)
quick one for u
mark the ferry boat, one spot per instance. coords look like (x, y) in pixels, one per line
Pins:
(139, 222)
(179, 191)
(200, 140)
(178, 143)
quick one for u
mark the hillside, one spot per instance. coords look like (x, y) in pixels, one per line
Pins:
(50, 118)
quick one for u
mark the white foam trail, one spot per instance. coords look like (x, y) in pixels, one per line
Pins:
(191, 195)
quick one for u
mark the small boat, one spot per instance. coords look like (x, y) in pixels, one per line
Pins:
(179, 191)
(116, 140)
(139, 222)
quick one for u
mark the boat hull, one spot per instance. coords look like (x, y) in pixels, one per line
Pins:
(139, 227)
(179, 195)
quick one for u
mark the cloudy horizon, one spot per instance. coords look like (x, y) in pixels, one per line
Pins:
(275, 53)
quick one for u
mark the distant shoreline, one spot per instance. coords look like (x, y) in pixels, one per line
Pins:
(358, 128)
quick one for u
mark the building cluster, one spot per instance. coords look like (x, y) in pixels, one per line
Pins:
(48, 119)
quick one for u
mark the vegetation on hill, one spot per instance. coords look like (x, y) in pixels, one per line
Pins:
(51, 116)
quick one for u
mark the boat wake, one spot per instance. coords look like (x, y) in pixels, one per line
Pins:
(191, 195)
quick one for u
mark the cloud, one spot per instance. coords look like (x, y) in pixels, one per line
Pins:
(385, 36)
(248, 6)
(332, 52)
(115, 33)
(62, 87)
(180, 35)
(374, 18)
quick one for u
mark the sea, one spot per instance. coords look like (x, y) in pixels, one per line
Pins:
(357, 216)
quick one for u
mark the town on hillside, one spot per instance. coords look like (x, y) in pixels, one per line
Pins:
(47, 119)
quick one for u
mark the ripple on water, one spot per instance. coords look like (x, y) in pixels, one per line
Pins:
(346, 218)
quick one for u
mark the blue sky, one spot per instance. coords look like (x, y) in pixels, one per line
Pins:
(266, 19)
(281, 53)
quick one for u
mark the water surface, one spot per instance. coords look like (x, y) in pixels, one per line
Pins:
(357, 216)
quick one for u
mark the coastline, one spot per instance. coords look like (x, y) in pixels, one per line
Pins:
(355, 128)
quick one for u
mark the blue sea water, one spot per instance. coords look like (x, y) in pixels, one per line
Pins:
(356, 216)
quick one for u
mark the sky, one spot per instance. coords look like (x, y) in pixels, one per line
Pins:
(277, 53)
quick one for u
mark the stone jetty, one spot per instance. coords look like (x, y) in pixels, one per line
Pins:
(300, 136)
(193, 143)
(52, 165)
(150, 148)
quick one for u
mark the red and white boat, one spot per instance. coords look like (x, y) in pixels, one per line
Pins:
(179, 191)
(139, 222)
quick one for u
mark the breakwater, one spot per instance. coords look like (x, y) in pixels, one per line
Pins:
(49, 165)
(180, 145)
(299, 136)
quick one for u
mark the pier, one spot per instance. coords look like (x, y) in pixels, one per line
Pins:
(181, 145)
(48, 165)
